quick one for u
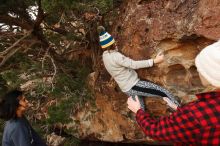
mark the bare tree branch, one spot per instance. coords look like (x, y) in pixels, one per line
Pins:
(5, 55)
(12, 46)
(46, 55)
(29, 46)
(58, 30)
(55, 71)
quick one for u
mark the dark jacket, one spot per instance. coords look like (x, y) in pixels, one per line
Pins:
(18, 132)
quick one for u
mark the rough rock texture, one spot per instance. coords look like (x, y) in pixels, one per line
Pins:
(181, 28)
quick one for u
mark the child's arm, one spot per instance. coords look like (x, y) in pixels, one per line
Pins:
(175, 127)
(130, 63)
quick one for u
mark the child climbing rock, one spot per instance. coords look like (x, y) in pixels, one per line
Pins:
(122, 69)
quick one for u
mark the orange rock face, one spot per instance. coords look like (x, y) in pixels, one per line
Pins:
(144, 27)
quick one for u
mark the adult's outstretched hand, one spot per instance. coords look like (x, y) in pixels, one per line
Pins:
(134, 105)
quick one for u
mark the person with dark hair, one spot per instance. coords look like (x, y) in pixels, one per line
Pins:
(196, 123)
(17, 130)
(122, 69)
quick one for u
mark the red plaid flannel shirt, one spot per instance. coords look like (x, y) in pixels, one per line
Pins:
(197, 123)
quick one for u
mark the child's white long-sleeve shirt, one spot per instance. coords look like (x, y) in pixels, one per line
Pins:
(122, 68)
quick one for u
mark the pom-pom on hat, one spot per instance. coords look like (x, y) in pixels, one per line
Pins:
(208, 63)
(105, 39)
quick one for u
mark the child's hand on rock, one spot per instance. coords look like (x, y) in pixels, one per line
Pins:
(159, 58)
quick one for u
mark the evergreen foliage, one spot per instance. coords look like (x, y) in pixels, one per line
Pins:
(69, 83)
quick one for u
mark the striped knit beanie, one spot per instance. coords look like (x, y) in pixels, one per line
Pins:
(208, 63)
(105, 39)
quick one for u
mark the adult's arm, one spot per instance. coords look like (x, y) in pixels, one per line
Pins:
(180, 126)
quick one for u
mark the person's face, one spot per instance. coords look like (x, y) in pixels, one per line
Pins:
(23, 103)
(204, 81)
